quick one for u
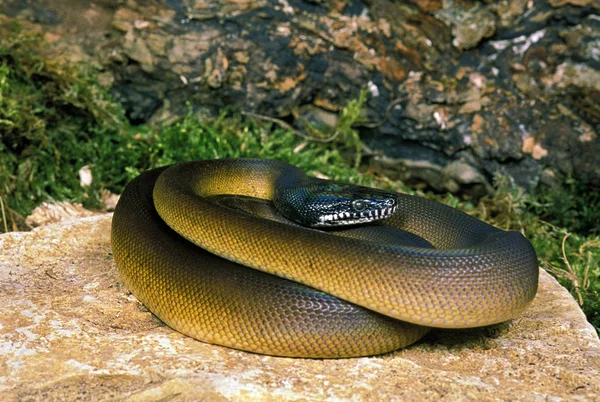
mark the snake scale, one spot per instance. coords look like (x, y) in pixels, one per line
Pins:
(312, 293)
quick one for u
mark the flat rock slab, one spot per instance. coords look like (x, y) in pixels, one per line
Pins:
(70, 330)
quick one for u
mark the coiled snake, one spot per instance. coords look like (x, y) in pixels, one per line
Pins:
(373, 296)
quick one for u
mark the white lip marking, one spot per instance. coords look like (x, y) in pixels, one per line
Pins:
(350, 218)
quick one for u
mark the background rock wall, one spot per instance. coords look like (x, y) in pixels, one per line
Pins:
(475, 88)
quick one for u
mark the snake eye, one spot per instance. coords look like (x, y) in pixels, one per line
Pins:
(390, 202)
(359, 205)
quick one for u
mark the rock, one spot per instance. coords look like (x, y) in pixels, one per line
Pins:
(469, 25)
(516, 69)
(70, 330)
(579, 3)
(136, 48)
(50, 212)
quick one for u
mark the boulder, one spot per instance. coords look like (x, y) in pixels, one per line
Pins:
(70, 330)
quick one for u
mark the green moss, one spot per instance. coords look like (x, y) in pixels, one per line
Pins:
(54, 119)
(233, 137)
(572, 206)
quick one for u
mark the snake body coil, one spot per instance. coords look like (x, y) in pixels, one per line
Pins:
(372, 297)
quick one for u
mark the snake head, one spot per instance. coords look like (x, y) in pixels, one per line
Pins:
(332, 204)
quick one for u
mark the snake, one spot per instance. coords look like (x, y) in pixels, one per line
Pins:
(189, 243)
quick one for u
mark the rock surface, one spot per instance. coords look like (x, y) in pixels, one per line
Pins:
(69, 330)
(507, 87)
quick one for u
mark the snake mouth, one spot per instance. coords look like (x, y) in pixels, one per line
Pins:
(353, 218)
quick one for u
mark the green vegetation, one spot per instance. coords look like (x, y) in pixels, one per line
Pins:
(574, 206)
(56, 119)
